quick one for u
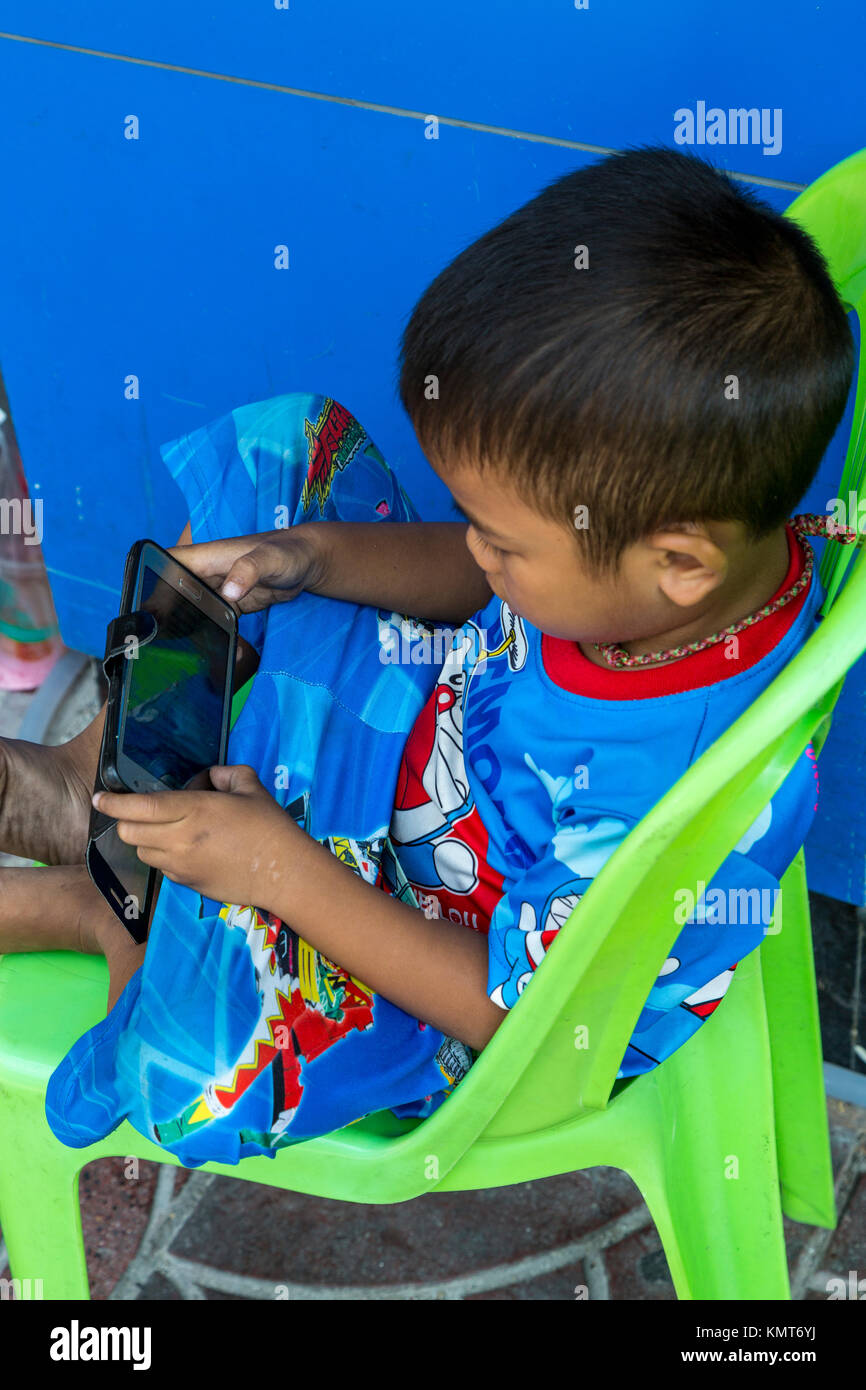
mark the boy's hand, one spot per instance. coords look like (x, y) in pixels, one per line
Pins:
(226, 844)
(265, 568)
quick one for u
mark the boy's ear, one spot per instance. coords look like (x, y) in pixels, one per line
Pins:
(687, 562)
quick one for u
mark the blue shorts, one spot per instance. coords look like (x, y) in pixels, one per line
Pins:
(235, 1037)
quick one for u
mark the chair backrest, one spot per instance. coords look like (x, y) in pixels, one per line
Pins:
(598, 974)
(833, 211)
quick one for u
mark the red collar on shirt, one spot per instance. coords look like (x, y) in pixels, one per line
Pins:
(567, 667)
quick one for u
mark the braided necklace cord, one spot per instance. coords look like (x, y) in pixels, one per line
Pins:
(805, 524)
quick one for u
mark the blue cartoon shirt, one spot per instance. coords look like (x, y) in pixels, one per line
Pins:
(528, 767)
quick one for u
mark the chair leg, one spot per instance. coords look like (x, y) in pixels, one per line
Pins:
(711, 1179)
(802, 1131)
(39, 1210)
(723, 1239)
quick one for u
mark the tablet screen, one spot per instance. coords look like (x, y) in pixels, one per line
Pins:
(173, 717)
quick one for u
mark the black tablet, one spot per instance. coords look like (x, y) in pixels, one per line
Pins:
(170, 663)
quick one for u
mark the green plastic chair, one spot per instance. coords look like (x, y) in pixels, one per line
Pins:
(720, 1139)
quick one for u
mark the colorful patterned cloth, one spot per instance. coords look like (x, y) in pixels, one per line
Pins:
(236, 1037)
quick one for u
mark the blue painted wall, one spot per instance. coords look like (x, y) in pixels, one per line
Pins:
(305, 126)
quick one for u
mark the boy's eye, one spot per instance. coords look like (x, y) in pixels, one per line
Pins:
(488, 545)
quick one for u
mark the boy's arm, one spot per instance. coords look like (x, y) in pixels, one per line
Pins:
(235, 844)
(421, 568)
(433, 969)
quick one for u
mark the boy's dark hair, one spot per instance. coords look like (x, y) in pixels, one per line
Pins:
(607, 386)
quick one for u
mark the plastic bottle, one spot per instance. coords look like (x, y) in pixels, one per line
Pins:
(30, 640)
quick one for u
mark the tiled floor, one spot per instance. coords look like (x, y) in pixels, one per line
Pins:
(154, 1232)
(839, 936)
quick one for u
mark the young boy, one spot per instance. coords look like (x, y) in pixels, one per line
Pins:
(627, 386)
